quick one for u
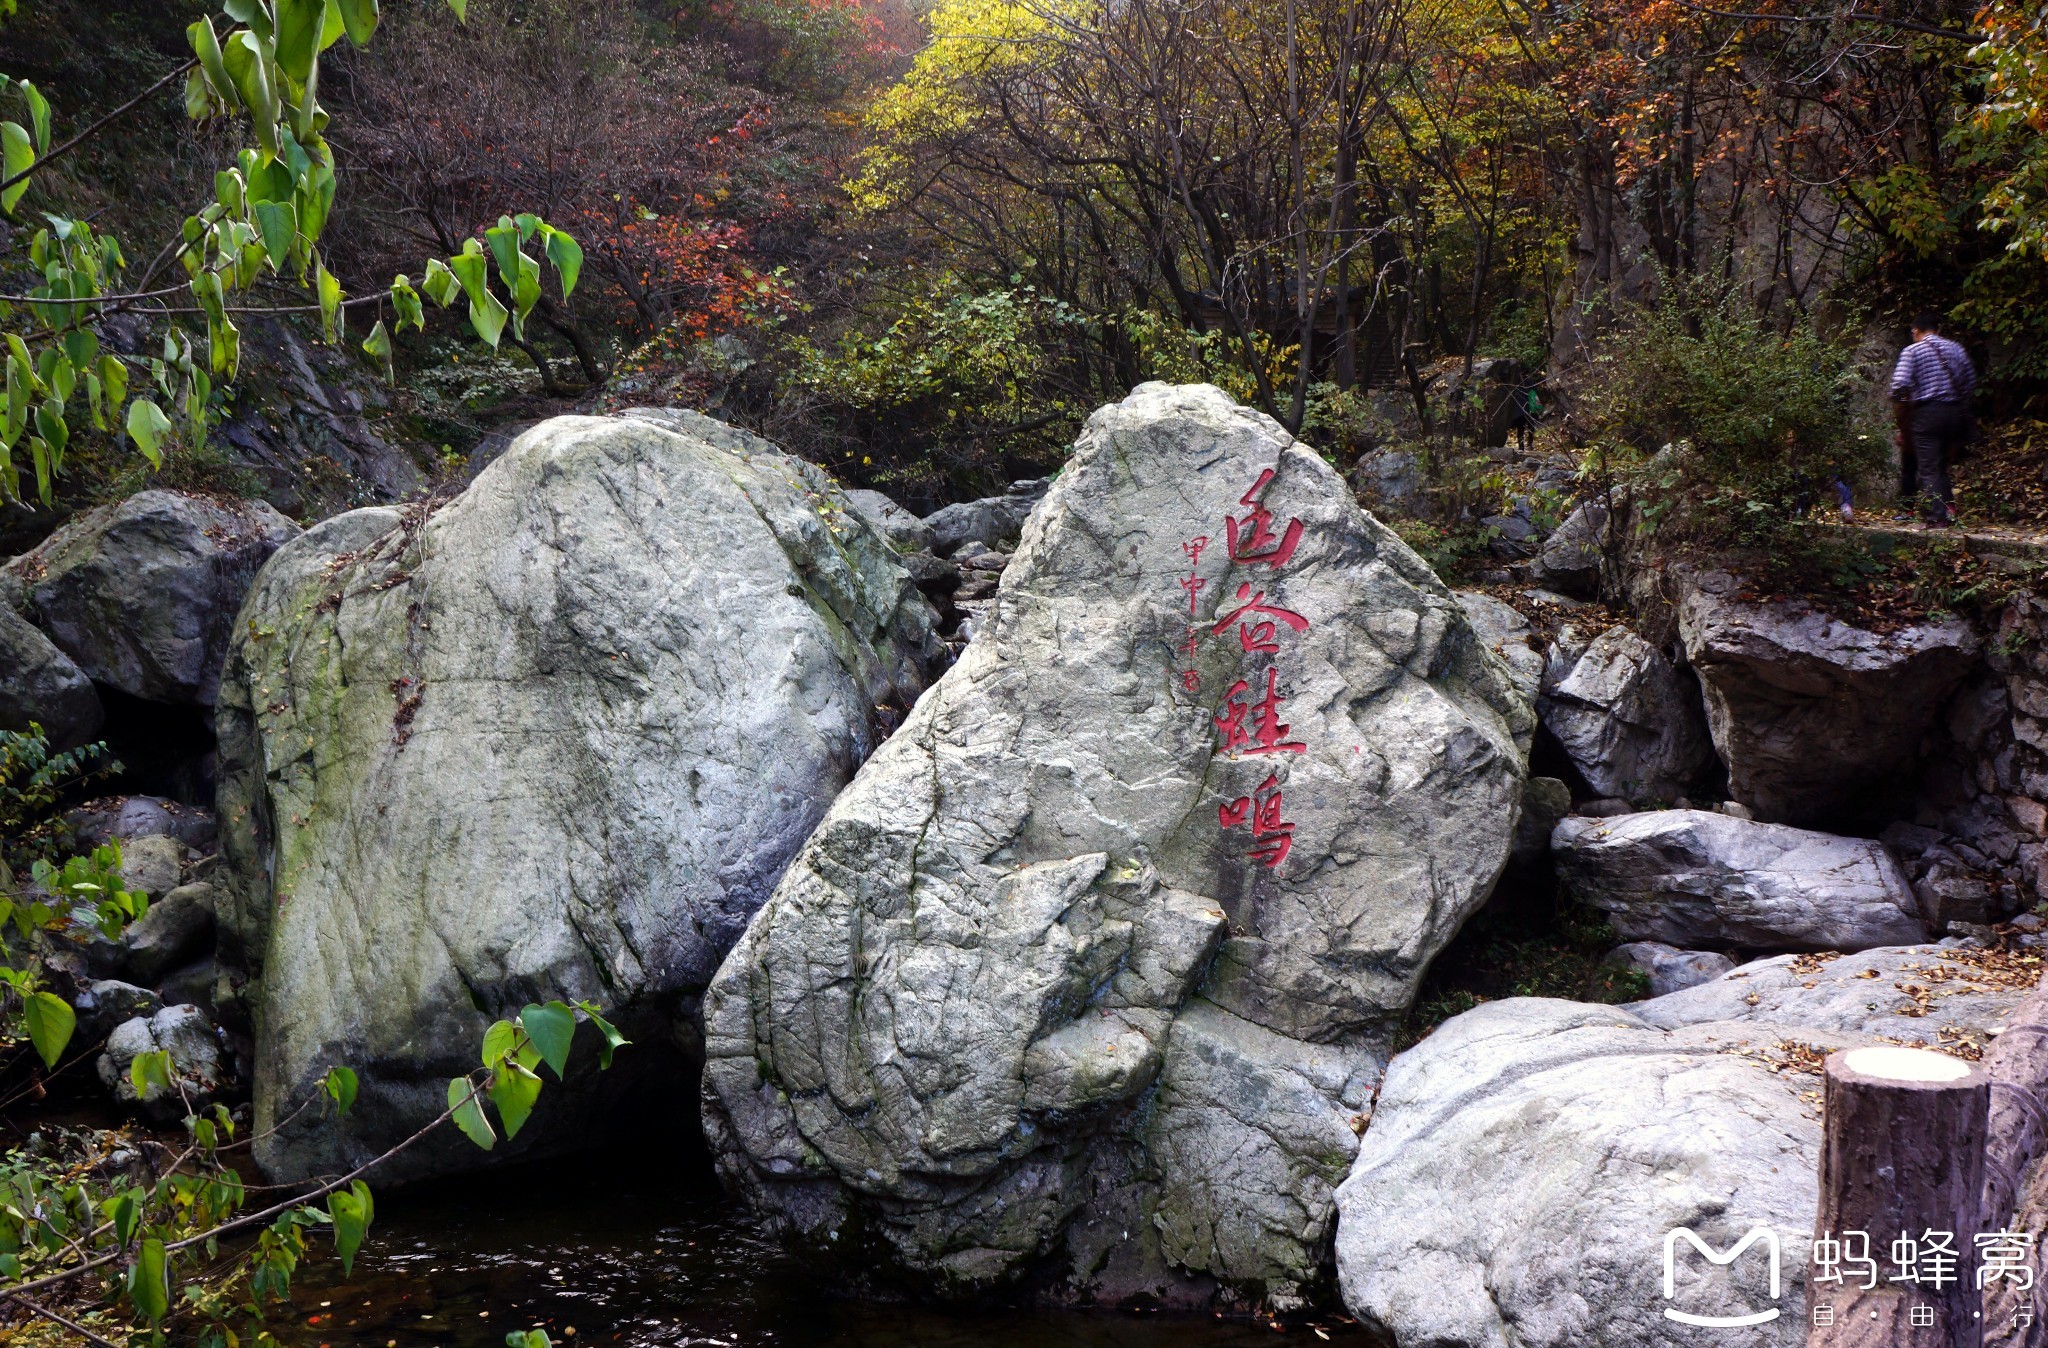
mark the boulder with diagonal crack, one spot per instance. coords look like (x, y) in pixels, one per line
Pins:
(1696, 878)
(1086, 978)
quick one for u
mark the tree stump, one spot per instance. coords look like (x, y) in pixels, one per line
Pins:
(1902, 1156)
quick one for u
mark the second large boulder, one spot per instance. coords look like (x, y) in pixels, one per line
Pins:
(142, 593)
(1087, 976)
(1815, 717)
(556, 739)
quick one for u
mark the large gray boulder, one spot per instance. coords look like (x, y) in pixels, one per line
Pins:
(1696, 878)
(993, 521)
(141, 594)
(555, 738)
(1811, 714)
(1062, 987)
(41, 685)
(1628, 720)
(1526, 1162)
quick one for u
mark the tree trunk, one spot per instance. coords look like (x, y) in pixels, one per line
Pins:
(2013, 1174)
(1902, 1158)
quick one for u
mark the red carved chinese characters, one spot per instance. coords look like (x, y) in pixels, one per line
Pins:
(1272, 836)
(1265, 735)
(1258, 634)
(1191, 678)
(1251, 539)
(1246, 722)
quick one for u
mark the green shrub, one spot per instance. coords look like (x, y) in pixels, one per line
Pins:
(1731, 433)
(32, 781)
(1744, 407)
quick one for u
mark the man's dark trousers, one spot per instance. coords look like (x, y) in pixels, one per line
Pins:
(1938, 431)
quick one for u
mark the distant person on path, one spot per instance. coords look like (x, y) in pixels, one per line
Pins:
(1930, 392)
(1528, 410)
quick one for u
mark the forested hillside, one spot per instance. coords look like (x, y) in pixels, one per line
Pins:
(918, 246)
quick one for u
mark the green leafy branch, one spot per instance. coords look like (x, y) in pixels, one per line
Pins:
(268, 215)
(512, 1050)
(124, 1250)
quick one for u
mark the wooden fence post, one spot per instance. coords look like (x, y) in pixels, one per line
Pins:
(1902, 1156)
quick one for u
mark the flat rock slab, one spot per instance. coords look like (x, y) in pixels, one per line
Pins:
(1526, 1162)
(1700, 879)
(556, 739)
(1933, 996)
(1087, 975)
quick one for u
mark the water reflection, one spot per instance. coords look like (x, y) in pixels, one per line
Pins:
(632, 1264)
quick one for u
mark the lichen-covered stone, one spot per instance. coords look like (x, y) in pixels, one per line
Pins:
(1031, 1003)
(558, 738)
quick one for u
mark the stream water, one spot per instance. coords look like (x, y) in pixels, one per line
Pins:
(633, 1263)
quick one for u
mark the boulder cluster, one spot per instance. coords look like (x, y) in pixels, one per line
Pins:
(1039, 889)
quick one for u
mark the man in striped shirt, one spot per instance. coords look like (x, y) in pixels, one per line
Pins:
(1930, 392)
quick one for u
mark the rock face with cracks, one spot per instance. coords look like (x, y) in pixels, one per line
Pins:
(557, 739)
(1031, 1004)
